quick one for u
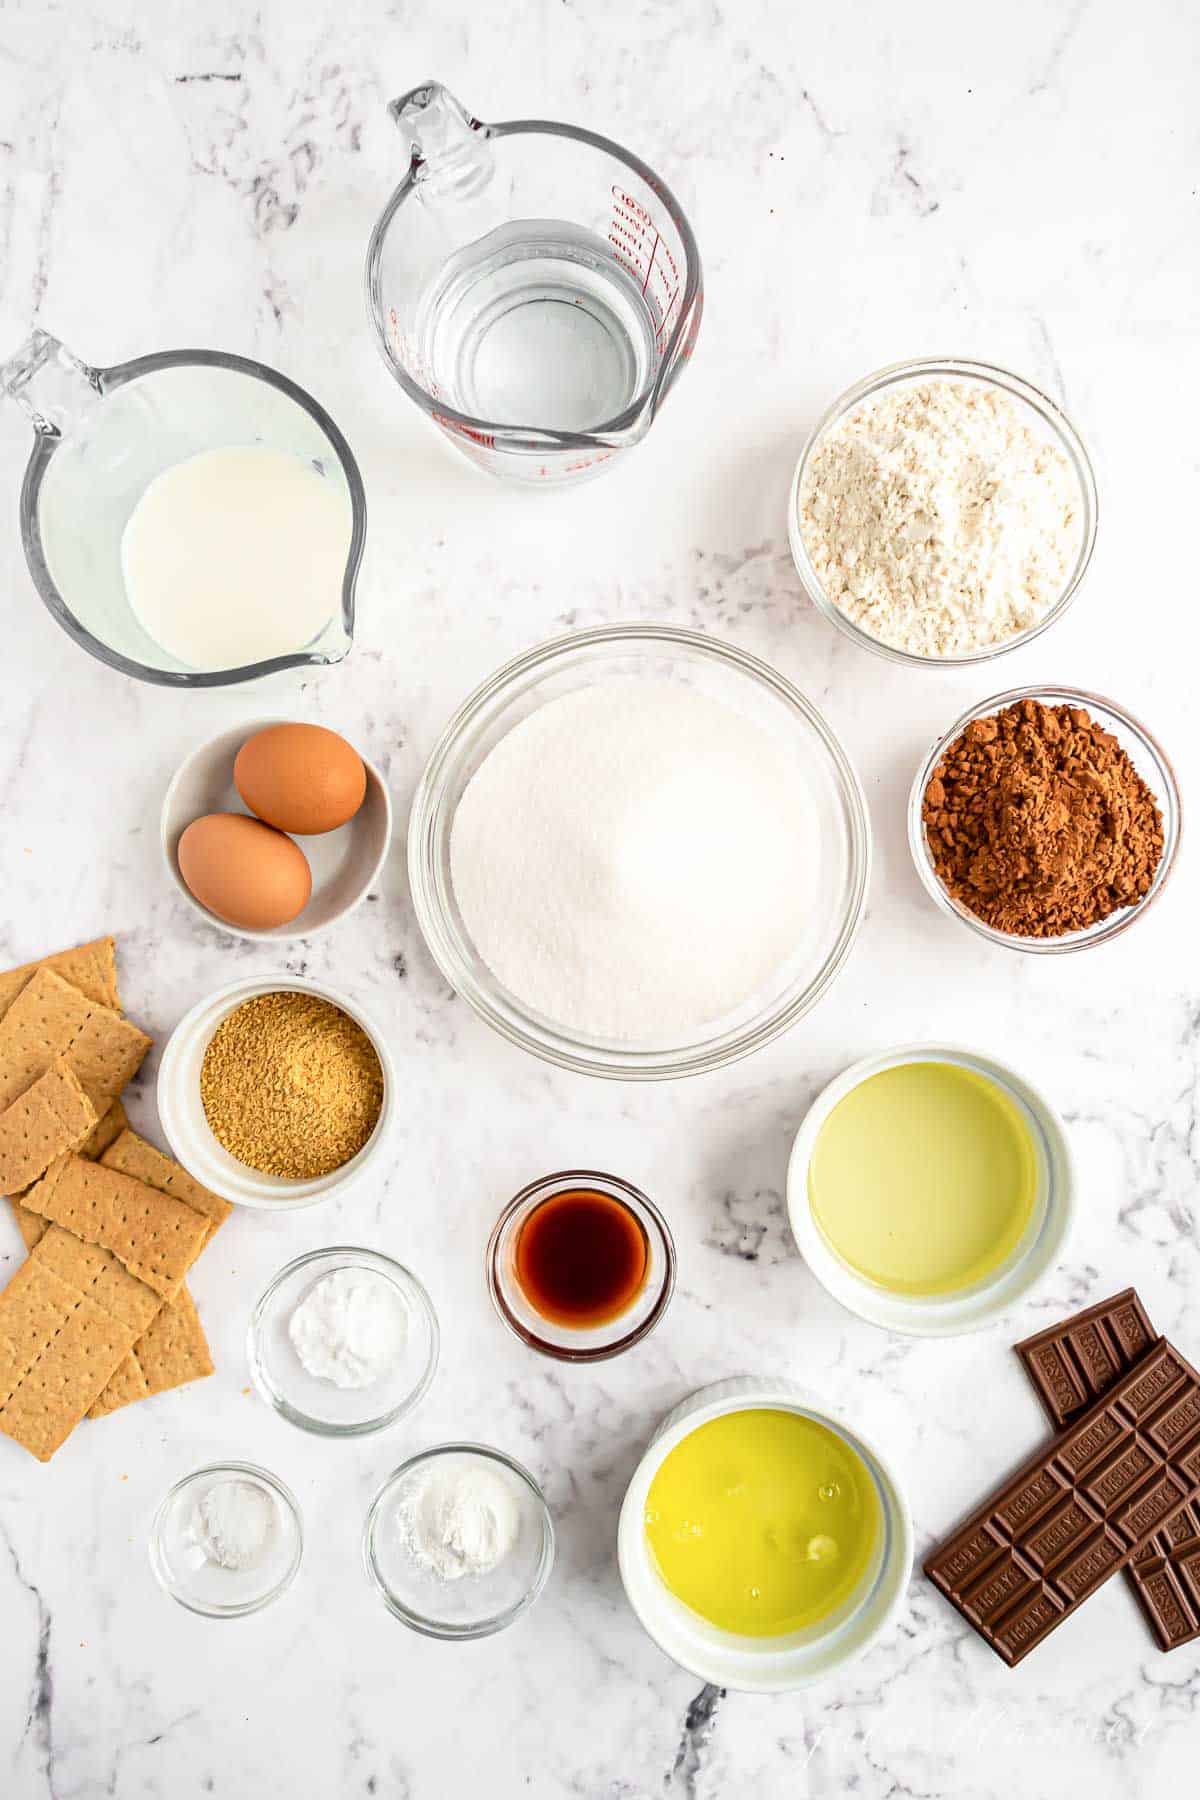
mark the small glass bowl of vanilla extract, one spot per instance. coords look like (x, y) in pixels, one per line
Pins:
(581, 1266)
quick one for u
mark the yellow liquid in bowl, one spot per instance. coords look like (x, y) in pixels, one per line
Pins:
(924, 1178)
(763, 1521)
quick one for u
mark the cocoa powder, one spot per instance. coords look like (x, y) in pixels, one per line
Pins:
(1038, 822)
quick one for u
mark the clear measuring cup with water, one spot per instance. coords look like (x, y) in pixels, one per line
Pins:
(534, 288)
(103, 436)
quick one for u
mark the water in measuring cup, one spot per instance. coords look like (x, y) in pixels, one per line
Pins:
(538, 325)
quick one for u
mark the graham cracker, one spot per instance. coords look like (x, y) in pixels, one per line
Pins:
(158, 1238)
(52, 1116)
(50, 1018)
(92, 968)
(58, 1349)
(108, 1128)
(132, 1155)
(171, 1351)
(98, 1274)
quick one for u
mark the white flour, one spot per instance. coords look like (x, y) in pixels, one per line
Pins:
(938, 520)
(635, 859)
(350, 1328)
(458, 1521)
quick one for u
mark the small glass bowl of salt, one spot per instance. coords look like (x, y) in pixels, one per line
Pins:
(459, 1541)
(227, 1540)
(343, 1342)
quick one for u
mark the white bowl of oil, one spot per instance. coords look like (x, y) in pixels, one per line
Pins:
(958, 1283)
(790, 1659)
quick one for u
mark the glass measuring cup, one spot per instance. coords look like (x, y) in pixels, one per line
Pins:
(101, 437)
(534, 288)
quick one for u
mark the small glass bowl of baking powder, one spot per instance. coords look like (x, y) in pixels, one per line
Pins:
(343, 1342)
(1147, 757)
(227, 1540)
(1044, 418)
(424, 1524)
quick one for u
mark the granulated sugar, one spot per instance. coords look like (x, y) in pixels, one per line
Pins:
(634, 860)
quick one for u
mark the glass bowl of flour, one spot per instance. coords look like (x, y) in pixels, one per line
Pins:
(942, 512)
(639, 852)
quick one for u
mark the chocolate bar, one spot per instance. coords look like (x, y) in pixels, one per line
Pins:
(1077, 1361)
(1079, 1510)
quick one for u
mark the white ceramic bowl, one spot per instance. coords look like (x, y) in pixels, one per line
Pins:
(344, 863)
(189, 1134)
(762, 1665)
(942, 1315)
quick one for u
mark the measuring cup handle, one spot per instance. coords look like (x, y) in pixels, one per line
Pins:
(449, 153)
(53, 387)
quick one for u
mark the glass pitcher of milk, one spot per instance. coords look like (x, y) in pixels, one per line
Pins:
(190, 518)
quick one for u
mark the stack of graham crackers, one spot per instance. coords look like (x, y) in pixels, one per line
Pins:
(98, 1315)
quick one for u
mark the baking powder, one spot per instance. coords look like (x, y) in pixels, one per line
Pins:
(350, 1328)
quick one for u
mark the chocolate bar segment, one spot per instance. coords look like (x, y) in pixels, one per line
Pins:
(1076, 1362)
(1063, 1364)
(1079, 1510)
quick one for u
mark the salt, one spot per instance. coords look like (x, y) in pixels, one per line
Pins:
(635, 859)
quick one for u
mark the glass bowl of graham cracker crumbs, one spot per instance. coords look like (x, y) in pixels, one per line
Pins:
(275, 1091)
(974, 875)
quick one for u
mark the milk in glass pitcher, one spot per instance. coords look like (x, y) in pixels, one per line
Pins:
(190, 518)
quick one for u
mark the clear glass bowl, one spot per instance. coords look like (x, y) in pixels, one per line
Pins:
(726, 674)
(472, 1606)
(595, 1343)
(205, 1587)
(320, 1406)
(1147, 757)
(1048, 418)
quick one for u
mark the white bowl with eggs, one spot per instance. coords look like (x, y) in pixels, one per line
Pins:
(767, 1665)
(345, 863)
(191, 1138)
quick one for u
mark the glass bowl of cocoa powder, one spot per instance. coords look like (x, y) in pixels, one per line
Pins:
(1047, 819)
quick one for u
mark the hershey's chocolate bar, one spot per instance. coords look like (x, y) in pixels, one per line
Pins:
(1078, 1360)
(1080, 1509)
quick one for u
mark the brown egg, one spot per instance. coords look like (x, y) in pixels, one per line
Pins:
(243, 871)
(300, 778)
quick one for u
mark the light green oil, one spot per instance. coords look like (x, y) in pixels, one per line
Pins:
(924, 1178)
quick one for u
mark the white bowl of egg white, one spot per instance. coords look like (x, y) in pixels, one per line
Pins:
(345, 863)
(929, 1298)
(343, 1342)
(777, 1663)
(192, 1139)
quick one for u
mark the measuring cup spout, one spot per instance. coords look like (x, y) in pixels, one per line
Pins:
(55, 389)
(450, 156)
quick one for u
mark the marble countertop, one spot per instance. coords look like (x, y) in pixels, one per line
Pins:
(866, 183)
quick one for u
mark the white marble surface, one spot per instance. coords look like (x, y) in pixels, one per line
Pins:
(866, 182)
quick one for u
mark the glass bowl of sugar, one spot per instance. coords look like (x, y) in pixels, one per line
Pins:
(638, 852)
